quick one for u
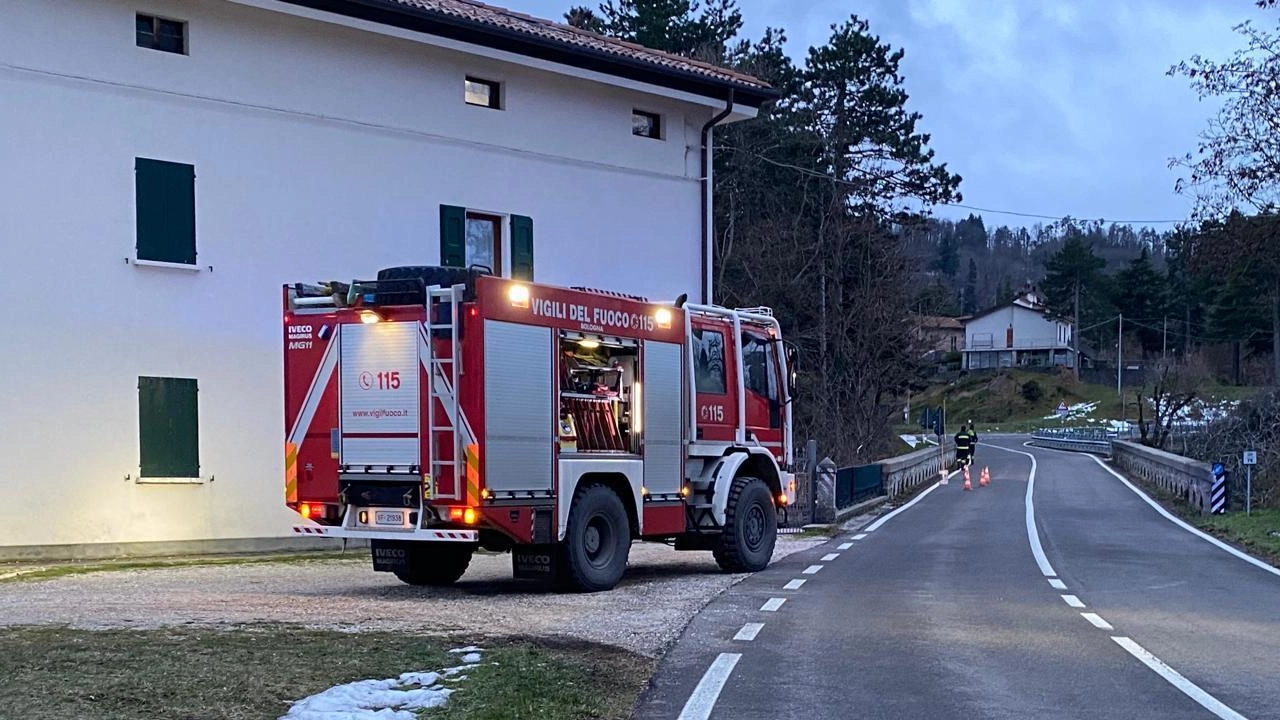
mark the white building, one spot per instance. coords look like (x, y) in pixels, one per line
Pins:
(168, 164)
(1018, 334)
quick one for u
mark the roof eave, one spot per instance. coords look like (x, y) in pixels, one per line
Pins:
(421, 20)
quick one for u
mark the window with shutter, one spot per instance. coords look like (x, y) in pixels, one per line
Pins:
(522, 247)
(165, 196)
(453, 236)
(168, 428)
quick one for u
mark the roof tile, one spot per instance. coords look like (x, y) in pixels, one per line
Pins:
(497, 17)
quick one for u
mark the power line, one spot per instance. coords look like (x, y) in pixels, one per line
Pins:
(832, 178)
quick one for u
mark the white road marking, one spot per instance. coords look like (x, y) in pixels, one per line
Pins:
(812, 569)
(1176, 521)
(830, 556)
(793, 585)
(749, 632)
(844, 546)
(1073, 601)
(876, 525)
(1033, 535)
(1097, 621)
(772, 604)
(1057, 584)
(704, 696)
(1190, 689)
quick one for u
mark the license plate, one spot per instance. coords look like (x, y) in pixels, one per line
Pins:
(389, 517)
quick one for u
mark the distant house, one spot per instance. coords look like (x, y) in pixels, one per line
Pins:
(937, 333)
(1017, 334)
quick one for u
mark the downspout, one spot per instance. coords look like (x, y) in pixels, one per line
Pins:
(708, 219)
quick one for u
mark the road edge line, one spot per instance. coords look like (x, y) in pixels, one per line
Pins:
(1174, 678)
(703, 699)
(881, 521)
(1260, 564)
(1033, 534)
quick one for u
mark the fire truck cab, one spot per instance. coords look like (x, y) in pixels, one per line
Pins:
(434, 411)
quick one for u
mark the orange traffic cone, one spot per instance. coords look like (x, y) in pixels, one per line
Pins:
(985, 478)
(967, 485)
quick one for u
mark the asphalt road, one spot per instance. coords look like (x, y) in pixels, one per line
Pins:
(945, 611)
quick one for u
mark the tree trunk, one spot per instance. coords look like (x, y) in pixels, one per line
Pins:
(1275, 335)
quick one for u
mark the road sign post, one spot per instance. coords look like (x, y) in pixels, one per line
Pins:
(1250, 459)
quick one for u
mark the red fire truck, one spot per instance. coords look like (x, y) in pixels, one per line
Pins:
(434, 411)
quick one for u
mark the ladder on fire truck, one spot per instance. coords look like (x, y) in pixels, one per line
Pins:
(442, 386)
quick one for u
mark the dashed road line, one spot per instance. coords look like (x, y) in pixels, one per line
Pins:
(772, 604)
(749, 632)
(793, 585)
(1190, 689)
(1073, 601)
(704, 696)
(830, 556)
(812, 569)
(859, 536)
(844, 546)
(1057, 584)
(1097, 621)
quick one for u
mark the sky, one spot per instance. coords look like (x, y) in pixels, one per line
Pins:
(1058, 107)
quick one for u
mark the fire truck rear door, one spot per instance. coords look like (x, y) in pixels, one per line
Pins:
(379, 395)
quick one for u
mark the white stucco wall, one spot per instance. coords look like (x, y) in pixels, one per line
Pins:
(320, 152)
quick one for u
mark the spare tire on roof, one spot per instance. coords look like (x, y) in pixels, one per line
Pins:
(404, 285)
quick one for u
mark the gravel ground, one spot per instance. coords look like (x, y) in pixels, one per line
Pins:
(645, 613)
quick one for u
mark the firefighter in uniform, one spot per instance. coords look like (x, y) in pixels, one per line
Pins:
(973, 441)
(964, 446)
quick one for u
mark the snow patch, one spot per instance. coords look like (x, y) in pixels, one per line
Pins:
(398, 698)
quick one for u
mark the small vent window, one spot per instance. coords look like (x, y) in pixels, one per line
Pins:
(646, 124)
(483, 93)
(156, 33)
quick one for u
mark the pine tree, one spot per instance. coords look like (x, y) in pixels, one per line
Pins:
(970, 304)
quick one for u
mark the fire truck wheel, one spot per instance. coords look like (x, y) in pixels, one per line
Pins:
(436, 564)
(750, 527)
(597, 541)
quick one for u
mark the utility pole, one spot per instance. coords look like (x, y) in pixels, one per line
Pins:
(1164, 352)
(1120, 363)
(1075, 331)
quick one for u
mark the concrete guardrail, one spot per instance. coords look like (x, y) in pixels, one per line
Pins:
(1191, 480)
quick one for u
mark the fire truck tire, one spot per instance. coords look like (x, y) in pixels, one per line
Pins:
(597, 540)
(436, 564)
(750, 527)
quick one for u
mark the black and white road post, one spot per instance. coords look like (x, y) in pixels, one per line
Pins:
(1250, 459)
(1218, 496)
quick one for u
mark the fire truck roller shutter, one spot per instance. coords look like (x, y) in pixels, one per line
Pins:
(519, 412)
(663, 431)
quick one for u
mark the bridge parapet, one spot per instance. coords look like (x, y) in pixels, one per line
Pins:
(1191, 480)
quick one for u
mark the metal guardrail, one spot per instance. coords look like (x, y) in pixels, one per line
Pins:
(1086, 439)
(857, 483)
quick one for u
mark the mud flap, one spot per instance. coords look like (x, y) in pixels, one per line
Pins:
(389, 555)
(536, 562)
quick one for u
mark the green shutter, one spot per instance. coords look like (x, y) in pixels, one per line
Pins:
(165, 194)
(168, 427)
(521, 247)
(453, 236)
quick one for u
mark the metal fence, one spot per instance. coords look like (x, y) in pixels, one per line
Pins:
(857, 483)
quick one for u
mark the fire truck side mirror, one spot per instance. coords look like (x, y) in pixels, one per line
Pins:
(793, 354)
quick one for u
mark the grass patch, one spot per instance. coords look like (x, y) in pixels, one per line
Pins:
(1258, 532)
(250, 673)
(15, 573)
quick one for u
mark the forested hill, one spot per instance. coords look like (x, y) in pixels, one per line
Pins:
(966, 266)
